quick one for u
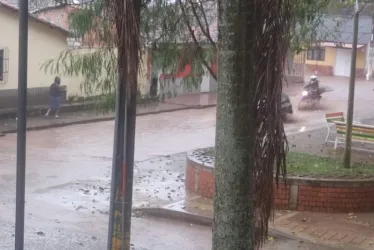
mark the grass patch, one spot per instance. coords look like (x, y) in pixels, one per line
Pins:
(306, 165)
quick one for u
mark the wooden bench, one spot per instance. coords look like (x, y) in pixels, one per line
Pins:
(360, 133)
(331, 118)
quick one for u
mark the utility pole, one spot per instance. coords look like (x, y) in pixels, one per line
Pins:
(371, 46)
(21, 124)
(118, 169)
(119, 231)
(351, 95)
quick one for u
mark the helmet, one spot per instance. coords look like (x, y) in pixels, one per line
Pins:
(313, 79)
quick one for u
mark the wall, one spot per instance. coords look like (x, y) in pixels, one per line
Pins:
(361, 62)
(327, 67)
(73, 83)
(44, 43)
(319, 195)
(294, 65)
(369, 66)
(177, 87)
(293, 193)
(60, 16)
(174, 83)
(213, 85)
(207, 85)
(143, 83)
(329, 58)
(361, 58)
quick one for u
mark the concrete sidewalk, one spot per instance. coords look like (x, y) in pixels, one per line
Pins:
(347, 231)
(193, 101)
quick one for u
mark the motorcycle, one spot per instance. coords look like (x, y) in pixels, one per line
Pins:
(311, 98)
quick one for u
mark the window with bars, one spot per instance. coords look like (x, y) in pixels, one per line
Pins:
(4, 64)
(316, 54)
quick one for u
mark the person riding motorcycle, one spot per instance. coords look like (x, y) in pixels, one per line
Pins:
(313, 86)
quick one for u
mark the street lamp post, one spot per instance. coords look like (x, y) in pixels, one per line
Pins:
(21, 124)
(351, 94)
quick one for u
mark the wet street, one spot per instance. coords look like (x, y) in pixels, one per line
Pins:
(68, 172)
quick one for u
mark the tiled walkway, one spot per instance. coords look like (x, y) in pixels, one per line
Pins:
(347, 231)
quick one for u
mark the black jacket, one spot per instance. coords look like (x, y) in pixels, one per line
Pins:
(55, 90)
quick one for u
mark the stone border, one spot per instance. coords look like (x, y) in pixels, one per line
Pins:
(292, 193)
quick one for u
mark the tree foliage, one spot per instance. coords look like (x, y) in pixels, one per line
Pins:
(174, 33)
(163, 33)
(307, 18)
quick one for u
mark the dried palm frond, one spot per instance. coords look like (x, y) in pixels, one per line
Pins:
(273, 24)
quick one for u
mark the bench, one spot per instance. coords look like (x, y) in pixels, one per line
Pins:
(360, 133)
(331, 118)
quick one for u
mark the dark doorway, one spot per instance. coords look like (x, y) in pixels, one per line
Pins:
(154, 87)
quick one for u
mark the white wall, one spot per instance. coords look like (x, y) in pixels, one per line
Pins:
(74, 83)
(44, 43)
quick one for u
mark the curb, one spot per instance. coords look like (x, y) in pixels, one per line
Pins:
(176, 215)
(103, 119)
(31, 111)
(197, 219)
(34, 111)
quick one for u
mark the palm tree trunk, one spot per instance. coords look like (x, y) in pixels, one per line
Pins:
(250, 138)
(233, 203)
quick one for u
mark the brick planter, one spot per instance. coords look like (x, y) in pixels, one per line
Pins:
(302, 194)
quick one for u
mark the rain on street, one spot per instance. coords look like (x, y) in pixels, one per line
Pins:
(68, 176)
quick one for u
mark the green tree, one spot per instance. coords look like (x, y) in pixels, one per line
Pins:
(163, 33)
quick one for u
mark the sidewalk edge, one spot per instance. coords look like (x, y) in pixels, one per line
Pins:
(102, 119)
(207, 221)
(175, 214)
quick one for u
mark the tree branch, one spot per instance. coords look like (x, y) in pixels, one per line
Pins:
(145, 3)
(162, 35)
(205, 32)
(199, 49)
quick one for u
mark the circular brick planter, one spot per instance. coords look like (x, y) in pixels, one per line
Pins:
(293, 193)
